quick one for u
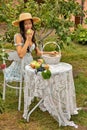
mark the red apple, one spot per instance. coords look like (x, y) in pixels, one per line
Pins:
(2, 66)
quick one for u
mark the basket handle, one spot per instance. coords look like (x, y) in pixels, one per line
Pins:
(50, 43)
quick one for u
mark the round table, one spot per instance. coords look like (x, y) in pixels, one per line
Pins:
(57, 93)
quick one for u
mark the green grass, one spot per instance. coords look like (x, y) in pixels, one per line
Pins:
(12, 119)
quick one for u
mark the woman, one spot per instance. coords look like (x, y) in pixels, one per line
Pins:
(25, 43)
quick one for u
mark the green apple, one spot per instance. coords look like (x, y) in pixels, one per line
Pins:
(28, 31)
(33, 63)
(37, 65)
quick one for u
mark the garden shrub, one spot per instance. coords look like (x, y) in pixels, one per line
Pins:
(80, 35)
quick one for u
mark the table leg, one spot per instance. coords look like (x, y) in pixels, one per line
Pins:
(28, 115)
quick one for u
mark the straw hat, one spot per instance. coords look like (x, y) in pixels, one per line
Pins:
(25, 16)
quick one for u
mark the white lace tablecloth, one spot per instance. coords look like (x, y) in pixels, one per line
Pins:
(58, 92)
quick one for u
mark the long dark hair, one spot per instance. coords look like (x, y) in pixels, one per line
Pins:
(22, 31)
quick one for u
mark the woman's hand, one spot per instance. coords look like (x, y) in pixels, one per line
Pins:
(29, 34)
(54, 53)
(49, 52)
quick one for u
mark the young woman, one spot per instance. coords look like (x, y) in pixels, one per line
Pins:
(25, 43)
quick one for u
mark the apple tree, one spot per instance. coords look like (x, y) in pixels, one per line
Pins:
(55, 17)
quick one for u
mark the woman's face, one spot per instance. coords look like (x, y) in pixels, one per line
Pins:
(27, 24)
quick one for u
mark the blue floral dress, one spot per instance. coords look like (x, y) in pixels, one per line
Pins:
(12, 73)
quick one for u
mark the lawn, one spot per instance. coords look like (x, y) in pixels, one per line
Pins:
(11, 119)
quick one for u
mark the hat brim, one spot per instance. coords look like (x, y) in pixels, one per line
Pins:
(16, 23)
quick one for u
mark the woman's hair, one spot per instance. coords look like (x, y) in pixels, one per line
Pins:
(22, 31)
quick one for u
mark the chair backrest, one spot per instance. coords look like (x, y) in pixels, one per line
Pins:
(13, 56)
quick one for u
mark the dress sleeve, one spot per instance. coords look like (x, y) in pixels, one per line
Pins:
(20, 44)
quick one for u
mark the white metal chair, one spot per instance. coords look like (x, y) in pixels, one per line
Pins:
(13, 56)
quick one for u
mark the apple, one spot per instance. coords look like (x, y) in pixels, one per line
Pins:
(2, 66)
(28, 31)
(40, 61)
(37, 65)
(33, 63)
(46, 66)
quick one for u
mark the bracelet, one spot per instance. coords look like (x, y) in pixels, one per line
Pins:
(20, 44)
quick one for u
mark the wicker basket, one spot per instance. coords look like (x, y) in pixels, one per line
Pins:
(50, 59)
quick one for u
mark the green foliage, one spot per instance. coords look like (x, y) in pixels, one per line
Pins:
(9, 35)
(3, 54)
(86, 21)
(54, 15)
(8, 13)
(49, 48)
(80, 35)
